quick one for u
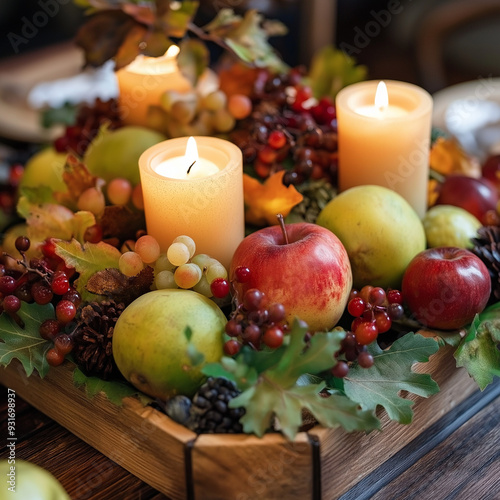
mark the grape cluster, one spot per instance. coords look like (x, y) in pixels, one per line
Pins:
(42, 281)
(254, 322)
(90, 118)
(178, 267)
(289, 127)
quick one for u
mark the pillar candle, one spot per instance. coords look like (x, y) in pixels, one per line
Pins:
(144, 81)
(205, 204)
(385, 142)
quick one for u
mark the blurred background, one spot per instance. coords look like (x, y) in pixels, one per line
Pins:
(433, 43)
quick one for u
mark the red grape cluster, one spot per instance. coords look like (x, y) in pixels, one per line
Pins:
(42, 281)
(288, 127)
(254, 322)
(374, 309)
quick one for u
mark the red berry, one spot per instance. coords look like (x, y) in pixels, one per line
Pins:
(7, 285)
(219, 287)
(41, 293)
(366, 332)
(232, 347)
(377, 296)
(273, 337)
(365, 359)
(364, 293)
(15, 174)
(93, 234)
(242, 274)
(54, 358)
(277, 139)
(252, 299)
(61, 144)
(340, 370)
(63, 344)
(65, 311)
(233, 328)
(11, 304)
(48, 248)
(356, 307)
(277, 312)
(49, 329)
(22, 244)
(60, 283)
(383, 321)
(394, 297)
(267, 155)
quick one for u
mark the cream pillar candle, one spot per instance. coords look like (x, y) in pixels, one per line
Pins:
(385, 142)
(144, 81)
(205, 204)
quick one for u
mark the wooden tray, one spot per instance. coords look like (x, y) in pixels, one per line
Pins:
(321, 463)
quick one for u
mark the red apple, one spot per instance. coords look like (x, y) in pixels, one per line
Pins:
(310, 275)
(445, 287)
(477, 196)
(491, 169)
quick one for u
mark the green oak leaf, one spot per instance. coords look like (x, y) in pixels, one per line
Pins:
(114, 390)
(478, 352)
(87, 259)
(25, 344)
(391, 373)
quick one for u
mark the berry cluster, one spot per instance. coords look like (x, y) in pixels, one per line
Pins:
(374, 309)
(288, 126)
(42, 281)
(254, 322)
(90, 118)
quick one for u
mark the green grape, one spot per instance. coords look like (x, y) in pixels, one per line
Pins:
(148, 248)
(165, 279)
(202, 260)
(223, 121)
(92, 200)
(215, 100)
(187, 275)
(163, 264)
(178, 253)
(184, 111)
(215, 270)
(189, 242)
(203, 287)
(119, 191)
(130, 263)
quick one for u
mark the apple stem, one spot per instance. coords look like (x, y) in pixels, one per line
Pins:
(283, 228)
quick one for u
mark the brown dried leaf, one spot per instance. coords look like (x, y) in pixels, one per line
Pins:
(102, 35)
(120, 222)
(129, 49)
(112, 283)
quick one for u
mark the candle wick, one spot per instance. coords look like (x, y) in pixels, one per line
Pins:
(191, 166)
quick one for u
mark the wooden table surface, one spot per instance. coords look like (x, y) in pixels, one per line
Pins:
(457, 458)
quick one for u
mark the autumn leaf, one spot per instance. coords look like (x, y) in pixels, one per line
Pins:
(263, 202)
(118, 221)
(448, 157)
(87, 259)
(114, 284)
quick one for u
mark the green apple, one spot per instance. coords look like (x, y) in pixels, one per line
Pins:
(450, 226)
(115, 153)
(29, 481)
(45, 168)
(380, 231)
(150, 346)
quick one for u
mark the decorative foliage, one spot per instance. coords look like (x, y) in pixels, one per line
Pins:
(25, 343)
(115, 391)
(391, 373)
(478, 352)
(87, 259)
(264, 201)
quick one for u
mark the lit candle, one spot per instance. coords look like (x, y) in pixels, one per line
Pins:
(197, 194)
(144, 81)
(384, 138)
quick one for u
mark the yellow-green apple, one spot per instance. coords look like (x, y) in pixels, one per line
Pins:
(380, 231)
(150, 346)
(445, 287)
(310, 274)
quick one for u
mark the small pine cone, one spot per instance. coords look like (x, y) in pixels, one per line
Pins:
(210, 412)
(487, 248)
(317, 194)
(93, 336)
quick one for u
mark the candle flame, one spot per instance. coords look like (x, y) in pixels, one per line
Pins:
(381, 97)
(191, 154)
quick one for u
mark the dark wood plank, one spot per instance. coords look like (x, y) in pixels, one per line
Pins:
(464, 466)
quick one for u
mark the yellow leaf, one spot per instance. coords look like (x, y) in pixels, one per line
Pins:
(263, 202)
(447, 157)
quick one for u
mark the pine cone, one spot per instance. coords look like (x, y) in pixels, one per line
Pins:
(487, 248)
(210, 412)
(93, 336)
(316, 195)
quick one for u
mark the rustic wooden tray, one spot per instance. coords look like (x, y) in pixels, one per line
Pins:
(321, 463)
